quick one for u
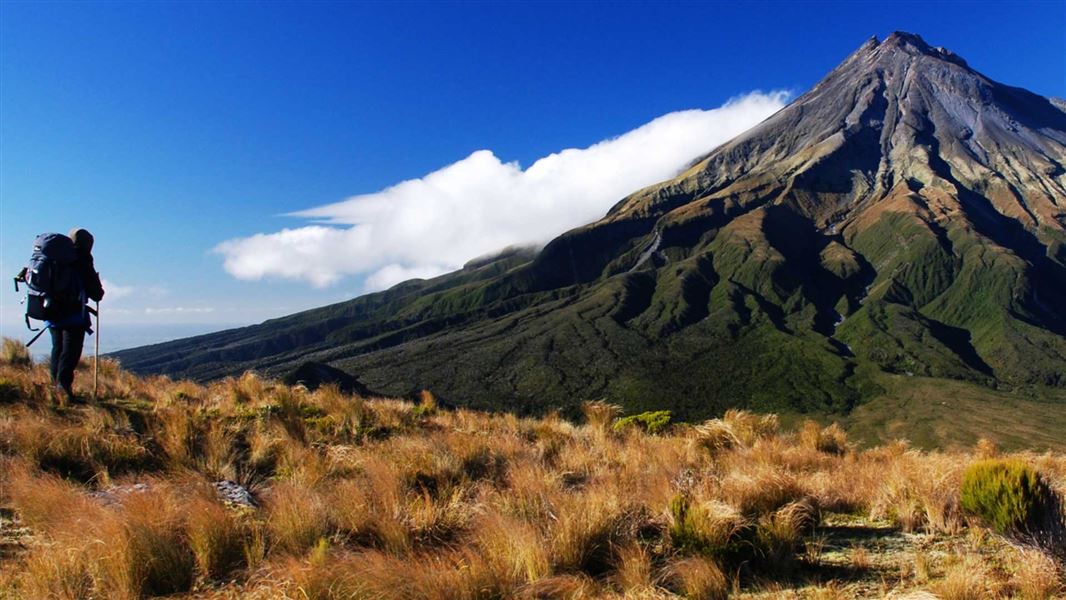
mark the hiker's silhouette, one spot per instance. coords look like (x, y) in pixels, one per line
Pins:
(68, 333)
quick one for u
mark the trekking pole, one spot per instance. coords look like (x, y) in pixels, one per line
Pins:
(96, 359)
(39, 334)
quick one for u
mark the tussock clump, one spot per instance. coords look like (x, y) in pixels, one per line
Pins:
(218, 536)
(832, 439)
(699, 579)
(244, 389)
(760, 489)
(134, 549)
(561, 587)
(373, 574)
(95, 449)
(1037, 576)
(779, 535)
(515, 550)
(985, 449)
(919, 493)
(749, 427)
(709, 528)
(43, 501)
(437, 521)
(296, 517)
(600, 415)
(483, 463)
(714, 436)
(737, 428)
(529, 493)
(15, 353)
(588, 528)
(966, 579)
(157, 557)
(634, 570)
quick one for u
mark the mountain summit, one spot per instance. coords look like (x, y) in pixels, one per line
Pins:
(906, 215)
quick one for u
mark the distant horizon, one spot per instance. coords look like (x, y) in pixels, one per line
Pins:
(123, 336)
(242, 162)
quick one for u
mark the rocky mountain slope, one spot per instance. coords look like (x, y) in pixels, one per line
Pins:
(905, 215)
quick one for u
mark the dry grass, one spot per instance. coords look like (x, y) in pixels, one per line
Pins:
(15, 353)
(832, 439)
(378, 498)
(1036, 576)
(966, 579)
(699, 579)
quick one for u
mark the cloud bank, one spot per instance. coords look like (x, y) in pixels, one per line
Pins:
(115, 291)
(425, 227)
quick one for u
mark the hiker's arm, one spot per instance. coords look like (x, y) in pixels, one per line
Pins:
(94, 289)
(91, 281)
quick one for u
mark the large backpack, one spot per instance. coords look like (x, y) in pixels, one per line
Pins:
(55, 289)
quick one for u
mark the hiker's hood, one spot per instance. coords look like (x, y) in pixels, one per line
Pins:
(83, 240)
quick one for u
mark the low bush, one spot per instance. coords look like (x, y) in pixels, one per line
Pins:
(1010, 496)
(652, 422)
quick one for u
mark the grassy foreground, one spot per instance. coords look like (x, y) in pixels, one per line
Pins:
(378, 498)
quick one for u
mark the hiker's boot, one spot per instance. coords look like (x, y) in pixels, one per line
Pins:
(68, 393)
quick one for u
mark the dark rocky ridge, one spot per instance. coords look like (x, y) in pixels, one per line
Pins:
(904, 215)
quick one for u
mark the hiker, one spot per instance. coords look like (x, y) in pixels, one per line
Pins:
(68, 333)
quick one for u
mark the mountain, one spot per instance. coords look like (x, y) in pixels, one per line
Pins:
(906, 215)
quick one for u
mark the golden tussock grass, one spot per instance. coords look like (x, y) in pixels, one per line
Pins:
(698, 579)
(966, 579)
(381, 498)
(1036, 576)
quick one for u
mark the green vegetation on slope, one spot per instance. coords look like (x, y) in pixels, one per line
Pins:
(863, 230)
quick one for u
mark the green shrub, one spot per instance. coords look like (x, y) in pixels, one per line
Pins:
(652, 422)
(1008, 495)
(681, 530)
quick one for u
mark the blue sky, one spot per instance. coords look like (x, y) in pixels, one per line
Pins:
(168, 129)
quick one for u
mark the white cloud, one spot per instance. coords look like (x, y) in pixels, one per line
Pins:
(115, 291)
(178, 310)
(429, 226)
(390, 275)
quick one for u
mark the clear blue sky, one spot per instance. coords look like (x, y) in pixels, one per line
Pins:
(167, 128)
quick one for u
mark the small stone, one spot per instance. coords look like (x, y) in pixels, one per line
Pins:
(116, 493)
(234, 493)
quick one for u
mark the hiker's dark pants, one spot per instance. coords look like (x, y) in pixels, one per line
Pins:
(67, 343)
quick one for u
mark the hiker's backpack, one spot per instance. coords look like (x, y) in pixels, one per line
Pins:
(55, 289)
